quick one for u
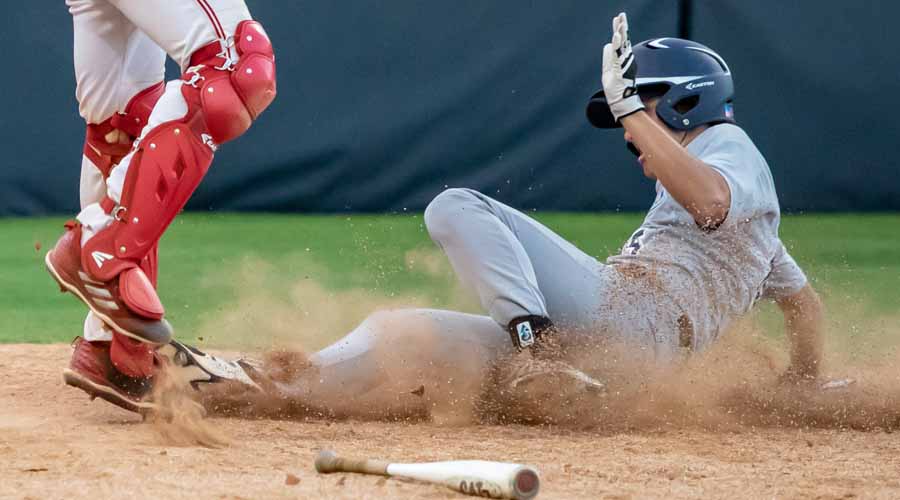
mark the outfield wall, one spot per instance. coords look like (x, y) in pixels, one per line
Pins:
(384, 103)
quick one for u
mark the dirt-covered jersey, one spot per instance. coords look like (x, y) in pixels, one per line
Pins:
(716, 276)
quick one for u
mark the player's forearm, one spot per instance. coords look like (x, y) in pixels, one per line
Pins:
(804, 325)
(696, 186)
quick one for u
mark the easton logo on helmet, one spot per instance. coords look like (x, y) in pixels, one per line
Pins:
(692, 86)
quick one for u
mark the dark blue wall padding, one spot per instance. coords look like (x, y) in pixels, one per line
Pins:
(818, 87)
(382, 104)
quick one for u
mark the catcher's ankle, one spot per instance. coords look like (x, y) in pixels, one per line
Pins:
(131, 357)
(533, 333)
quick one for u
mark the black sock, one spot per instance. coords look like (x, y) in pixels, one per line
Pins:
(527, 332)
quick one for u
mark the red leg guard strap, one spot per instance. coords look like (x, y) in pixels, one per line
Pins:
(107, 204)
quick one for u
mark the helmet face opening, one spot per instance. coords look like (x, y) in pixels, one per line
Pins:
(653, 91)
(693, 84)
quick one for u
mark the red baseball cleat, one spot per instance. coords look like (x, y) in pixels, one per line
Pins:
(127, 303)
(92, 371)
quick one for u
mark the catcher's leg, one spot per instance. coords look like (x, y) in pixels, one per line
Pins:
(229, 83)
(119, 72)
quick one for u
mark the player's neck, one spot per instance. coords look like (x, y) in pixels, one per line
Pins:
(692, 134)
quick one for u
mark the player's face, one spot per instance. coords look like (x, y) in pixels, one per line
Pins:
(650, 105)
(637, 152)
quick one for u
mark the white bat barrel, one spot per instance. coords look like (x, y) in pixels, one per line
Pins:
(472, 477)
(475, 477)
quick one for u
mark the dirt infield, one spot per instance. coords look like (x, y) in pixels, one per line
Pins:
(55, 443)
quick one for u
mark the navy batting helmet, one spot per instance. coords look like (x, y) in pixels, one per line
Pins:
(696, 84)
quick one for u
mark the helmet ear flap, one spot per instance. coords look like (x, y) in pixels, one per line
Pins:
(698, 102)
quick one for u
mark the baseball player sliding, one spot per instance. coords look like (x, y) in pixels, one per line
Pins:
(707, 250)
(147, 147)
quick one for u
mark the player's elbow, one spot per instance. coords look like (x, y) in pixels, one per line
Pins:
(711, 212)
(711, 215)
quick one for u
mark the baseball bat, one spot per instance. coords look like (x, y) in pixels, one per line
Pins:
(472, 477)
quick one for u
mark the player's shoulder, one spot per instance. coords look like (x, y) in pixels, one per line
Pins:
(724, 138)
(724, 133)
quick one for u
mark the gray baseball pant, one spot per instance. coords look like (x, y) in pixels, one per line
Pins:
(517, 267)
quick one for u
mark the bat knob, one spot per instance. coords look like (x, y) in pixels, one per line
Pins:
(326, 462)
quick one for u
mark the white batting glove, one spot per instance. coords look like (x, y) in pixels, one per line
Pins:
(619, 71)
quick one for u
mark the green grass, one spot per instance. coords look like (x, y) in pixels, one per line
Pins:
(213, 264)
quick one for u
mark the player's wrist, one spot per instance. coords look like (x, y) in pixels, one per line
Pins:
(626, 107)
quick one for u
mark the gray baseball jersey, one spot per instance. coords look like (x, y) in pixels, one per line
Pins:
(716, 276)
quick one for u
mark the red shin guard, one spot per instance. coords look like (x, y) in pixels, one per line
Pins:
(150, 265)
(224, 95)
(168, 165)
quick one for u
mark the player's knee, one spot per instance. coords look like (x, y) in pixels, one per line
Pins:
(391, 329)
(233, 90)
(378, 321)
(448, 210)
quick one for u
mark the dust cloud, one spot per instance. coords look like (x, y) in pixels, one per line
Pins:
(179, 419)
(733, 385)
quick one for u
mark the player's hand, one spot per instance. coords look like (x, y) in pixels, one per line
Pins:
(619, 71)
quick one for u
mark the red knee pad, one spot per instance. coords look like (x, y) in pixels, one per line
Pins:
(137, 112)
(233, 94)
(131, 121)
(254, 75)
